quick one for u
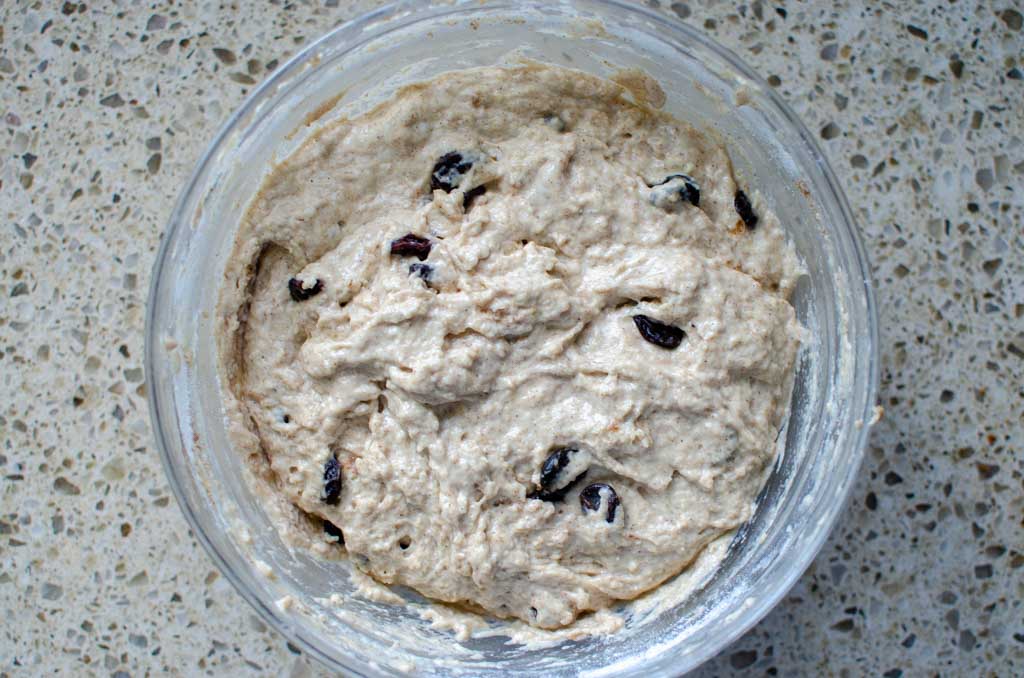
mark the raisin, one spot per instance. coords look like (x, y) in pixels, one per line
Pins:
(410, 245)
(471, 195)
(659, 333)
(554, 121)
(551, 473)
(332, 530)
(553, 465)
(332, 481)
(300, 293)
(448, 171)
(745, 210)
(682, 185)
(424, 271)
(590, 500)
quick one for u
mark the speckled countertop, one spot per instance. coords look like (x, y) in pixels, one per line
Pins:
(106, 106)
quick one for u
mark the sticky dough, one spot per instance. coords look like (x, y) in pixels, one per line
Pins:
(442, 386)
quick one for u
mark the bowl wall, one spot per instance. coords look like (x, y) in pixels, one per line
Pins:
(364, 61)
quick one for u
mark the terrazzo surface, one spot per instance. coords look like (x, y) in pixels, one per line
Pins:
(106, 107)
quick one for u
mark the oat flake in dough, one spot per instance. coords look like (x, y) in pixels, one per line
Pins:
(442, 397)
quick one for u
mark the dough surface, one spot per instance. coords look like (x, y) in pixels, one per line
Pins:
(442, 385)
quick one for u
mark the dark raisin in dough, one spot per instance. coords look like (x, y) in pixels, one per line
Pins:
(553, 465)
(689, 191)
(332, 481)
(554, 121)
(551, 473)
(659, 333)
(745, 210)
(590, 500)
(448, 171)
(471, 195)
(410, 245)
(300, 293)
(424, 271)
(333, 530)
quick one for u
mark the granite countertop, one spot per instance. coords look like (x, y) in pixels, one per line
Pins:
(105, 108)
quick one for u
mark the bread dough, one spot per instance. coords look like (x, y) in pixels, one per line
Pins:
(442, 385)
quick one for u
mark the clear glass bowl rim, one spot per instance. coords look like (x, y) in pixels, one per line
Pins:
(365, 25)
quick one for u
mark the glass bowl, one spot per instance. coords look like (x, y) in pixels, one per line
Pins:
(347, 71)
